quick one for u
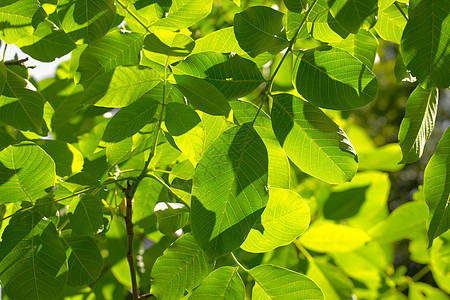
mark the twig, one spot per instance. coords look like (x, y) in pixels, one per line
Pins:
(18, 62)
(130, 236)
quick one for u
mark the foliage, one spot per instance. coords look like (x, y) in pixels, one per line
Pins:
(203, 149)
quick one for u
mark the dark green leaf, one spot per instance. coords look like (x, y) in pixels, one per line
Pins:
(259, 29)
(229, 190)
(85, 214)
(68, 159)
(333, 78)
(322, 26)
(171, 217)
(180, 118)
(353, 14)
(222, 283)
(296, 5)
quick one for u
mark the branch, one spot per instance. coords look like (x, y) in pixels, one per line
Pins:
(130, 236)
(18, 62)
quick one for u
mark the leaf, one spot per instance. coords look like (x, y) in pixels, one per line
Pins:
(171, 216)
(114, 49)
(166, 47)
(130, 119)
(322, 26)
(192, 143)
(391, 23)
(296, 5)
(119, 152)
(32, 259)
(121, 86)
(85, 261)
(325, 152)
(285, 217)
(362, 45)
(68, 159)
(202, 95)
(406, 221)
(228, 190)
(330, 237)
(47, 43)
(418, 123)
(436, 186)
(232, 75)
(423, 47)
(87, 20)
(184, 13)
(3, 76)
(183, 266)
(352, 14)
(180, 118)
(222, 283)
(85, 215)
(333, 78)
(18, 19)
(439, 264)
(259, 29)
(26, 171)
(274, 282)
(22, 106)
(144, 203)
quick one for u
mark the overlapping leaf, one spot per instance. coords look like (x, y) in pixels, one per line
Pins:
(229, 190)
(259, 29)
(26, 171)
(114, 49)
(326, 152)
(322, 26)
(222, 283)
(333, 78)
(391, 22)
(424, 46)
(418, 123)
(85, 214)
(171, 217)
(89, 20)
(232, 75)
(353, 14)
(436, 185)
(183, 266)
(68, 159)
(121, 86)
(184, 13)
(274, 282)
(180, 118)
(32, 259)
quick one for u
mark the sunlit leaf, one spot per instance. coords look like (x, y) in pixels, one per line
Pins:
(26, 172)
(259, 29)
(423, 46)
(353, 14)
(436, 185)
(171, 216)
(274, 282)
(3, 76)
(418, 123)
(333, 78)
(391, 22)
(144, 203)
(180, 118)
(184, 13)
(68, 159)
(326, 152)
(229, 190)
(32, 259)
(192, 143)
(222, 283)
(183, 266)
(322, 26)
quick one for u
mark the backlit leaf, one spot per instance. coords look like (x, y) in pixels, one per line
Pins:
(68, 159)
(171, 216)
(322, 26)
(352, 14)
(391, 22)
(222, 283)
(180, 118)
(85, 214)
(184, 13)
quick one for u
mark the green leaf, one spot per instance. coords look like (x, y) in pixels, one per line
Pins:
(259, 29)
(418, 123)
(183, 266)
(18, 19)
(285, 217)
(325, 152)
(406, 221)
(202, 95)
(166, 47)
(119, 152)
(192, 143)
(362, 45)
(114, 49)
(47, 43)
(296, 5)
(180, 118)
(184, 13)
(84, 260)
(222, 283)
(171, 216)
(121, 86)
(68, 159)
(322, 26)
(32, 259)
(87, 20)
(232, 75)
(436, 186)
(229, 190)
(85, 214)
(330, 237)
(130, 119)
(144, 203)
(272, 282)
(333, 78)
(22, 106)
(26, 171)
(353, 14)
(3, 76)
(391, 23)
(424, 47)
(439, 264)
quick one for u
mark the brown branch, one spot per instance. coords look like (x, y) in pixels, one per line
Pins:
(18, 62)
(129, 194)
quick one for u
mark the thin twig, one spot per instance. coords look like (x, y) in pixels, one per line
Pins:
(238, 263)
(18, 62)
(130, 237)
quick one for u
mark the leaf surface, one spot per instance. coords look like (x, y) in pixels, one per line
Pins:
(85, 214)
(222, 283)
(184, 13)
(391, 23)
(166, 47)
(352, 14)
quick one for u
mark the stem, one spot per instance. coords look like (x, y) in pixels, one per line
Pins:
(18, 62)
(4, 52)
(133, 15)
(401, 10)
(238, 263)
(424, 271)
(130, 236)
(304, 251)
